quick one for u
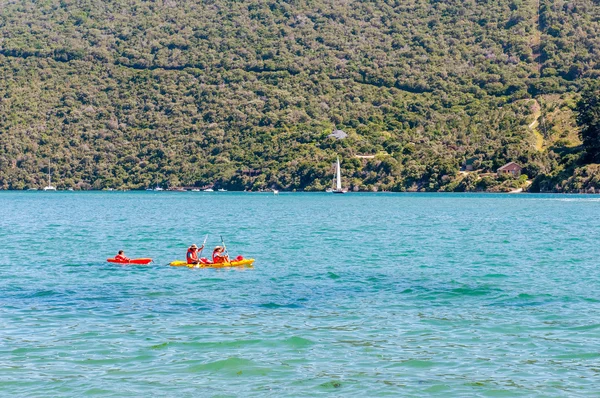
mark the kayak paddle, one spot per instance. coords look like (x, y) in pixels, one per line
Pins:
(204, 243)
(224, 247)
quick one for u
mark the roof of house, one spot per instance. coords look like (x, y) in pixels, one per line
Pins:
(510, 166)
(338, 134)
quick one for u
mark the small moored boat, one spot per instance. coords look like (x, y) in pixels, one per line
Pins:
(50, 187)
(139, 261)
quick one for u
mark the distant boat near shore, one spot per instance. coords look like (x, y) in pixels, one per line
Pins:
(209, 190)
(221, 190)
(338, 180)
(49, 187)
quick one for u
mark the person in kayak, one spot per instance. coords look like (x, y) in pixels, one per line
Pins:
(219, 256)
(121, 256)
(192, 254)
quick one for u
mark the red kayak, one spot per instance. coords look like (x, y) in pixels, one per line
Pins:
(142, 261)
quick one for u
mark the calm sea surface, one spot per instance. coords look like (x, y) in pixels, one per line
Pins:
(351, 295)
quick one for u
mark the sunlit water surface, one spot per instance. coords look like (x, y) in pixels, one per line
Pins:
(351, 295)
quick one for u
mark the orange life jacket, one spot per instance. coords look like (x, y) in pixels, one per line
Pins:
(192, 256)
(121, 257)
(219, 258)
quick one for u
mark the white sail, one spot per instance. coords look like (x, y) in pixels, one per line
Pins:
(338, 184)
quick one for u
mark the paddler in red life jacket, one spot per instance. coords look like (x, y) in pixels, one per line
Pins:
(121, 256)
(218, 255)
(192, 254)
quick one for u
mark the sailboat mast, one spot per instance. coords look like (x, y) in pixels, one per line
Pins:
(338, 176)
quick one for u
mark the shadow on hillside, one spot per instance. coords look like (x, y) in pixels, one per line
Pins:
(571, 158)
(565, 150)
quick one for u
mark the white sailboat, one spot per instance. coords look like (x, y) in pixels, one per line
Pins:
(49, 187)
(338, 179)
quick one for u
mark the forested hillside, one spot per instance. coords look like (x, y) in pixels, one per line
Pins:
(130, 93)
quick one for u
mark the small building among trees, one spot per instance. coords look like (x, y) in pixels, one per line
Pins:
(338, 134)
(510, 168)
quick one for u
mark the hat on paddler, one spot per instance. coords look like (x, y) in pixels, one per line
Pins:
(193, 247)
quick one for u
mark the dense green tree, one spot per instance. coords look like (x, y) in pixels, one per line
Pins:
(243, 94)
(588, 118)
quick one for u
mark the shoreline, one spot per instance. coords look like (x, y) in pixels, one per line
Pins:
(519, 191)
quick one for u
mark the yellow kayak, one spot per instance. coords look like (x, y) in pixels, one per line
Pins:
(242, 263)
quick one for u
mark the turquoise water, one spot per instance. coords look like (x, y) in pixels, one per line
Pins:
(351, 295)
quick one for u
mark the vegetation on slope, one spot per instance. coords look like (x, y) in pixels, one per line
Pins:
(132, 94)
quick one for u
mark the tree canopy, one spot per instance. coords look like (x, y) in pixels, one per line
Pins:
(243, 94)
(588, 117)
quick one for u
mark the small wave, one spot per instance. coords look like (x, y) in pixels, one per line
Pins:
(204, 280)
(495, 276)
(331, 384)
(160, 346)
(275, 305)
(358, 343)
(587, 327)
(233, 364)
(417, 363)
(445, 292)
(473, 291)
(582, 355)
(477, 383)
(525, 300)
(591, 300)
(158, 294)
(97, 391)
(332, 275)
(298, 342)
(44, 293)
(205, 344)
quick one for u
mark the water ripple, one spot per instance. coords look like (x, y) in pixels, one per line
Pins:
(354, 295)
